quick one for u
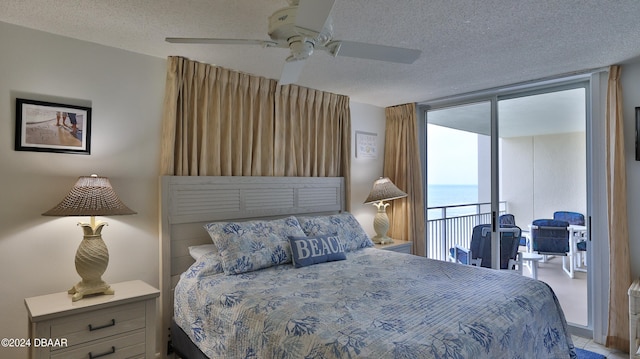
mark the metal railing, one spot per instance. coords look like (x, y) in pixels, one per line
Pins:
(448, 226)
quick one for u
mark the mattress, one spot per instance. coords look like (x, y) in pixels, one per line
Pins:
(374, 304)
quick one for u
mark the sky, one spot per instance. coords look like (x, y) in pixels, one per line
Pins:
(451, 156)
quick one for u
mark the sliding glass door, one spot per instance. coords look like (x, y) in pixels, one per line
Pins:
(521, 151)
(543, 167)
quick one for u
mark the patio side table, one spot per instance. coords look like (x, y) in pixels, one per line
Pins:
(533, 259)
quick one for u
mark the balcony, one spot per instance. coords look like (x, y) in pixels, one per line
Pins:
(448, 226)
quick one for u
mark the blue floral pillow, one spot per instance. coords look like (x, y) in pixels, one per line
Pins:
(207, 264)
(345, 225)
(313, 250)
(253, 245)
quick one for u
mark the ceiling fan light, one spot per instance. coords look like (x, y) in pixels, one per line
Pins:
(301, 48)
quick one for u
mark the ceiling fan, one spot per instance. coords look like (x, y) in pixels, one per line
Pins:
(303, 27)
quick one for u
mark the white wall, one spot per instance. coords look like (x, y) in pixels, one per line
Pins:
(484, 168)
(125, 91)
(364, 171)
(631, 96)
(559, 174)
(516, 184)
(544, 174)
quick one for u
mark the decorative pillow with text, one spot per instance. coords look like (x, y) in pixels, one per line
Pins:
(307, 251)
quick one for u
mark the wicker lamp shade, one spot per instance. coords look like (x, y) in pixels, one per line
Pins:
(384, 190)
(90, 196)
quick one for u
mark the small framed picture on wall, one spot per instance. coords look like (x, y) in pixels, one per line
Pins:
(366, 146)
(52, 127)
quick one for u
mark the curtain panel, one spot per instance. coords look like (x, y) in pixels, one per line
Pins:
(218, 122)
(402, 166)
(619, 265)
(313, 134)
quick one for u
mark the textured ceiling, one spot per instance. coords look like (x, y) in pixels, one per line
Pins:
(467, 45)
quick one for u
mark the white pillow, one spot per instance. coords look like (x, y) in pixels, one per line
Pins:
(198, 251)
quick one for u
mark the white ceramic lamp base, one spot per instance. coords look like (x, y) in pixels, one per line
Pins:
(381, 224)
(92, 258)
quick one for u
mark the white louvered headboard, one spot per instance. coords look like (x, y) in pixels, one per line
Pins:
(189, 202)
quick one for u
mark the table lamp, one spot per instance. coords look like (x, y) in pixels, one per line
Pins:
(383, 190)
(91, 196)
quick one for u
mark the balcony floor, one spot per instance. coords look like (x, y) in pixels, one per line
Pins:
(572, 293)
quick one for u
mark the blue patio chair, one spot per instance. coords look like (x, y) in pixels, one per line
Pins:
(509, 220)
(571, 217)
(580, 251)
(479, 251)
(472, 255)
(551, 237)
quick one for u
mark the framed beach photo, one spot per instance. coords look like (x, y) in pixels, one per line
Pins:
(52, 127)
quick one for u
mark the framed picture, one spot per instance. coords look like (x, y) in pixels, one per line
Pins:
(366, 146)
(52, 127)
(637, 133)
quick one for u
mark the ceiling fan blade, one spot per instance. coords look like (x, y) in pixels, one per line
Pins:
(373, 52)
(291, 72)
(197, 40)
(313, 14)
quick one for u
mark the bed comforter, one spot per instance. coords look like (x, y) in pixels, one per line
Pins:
(375, 304)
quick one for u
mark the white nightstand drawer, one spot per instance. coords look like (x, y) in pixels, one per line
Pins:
(81, 328)
(129, 345)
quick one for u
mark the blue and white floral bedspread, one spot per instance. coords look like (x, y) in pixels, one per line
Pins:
(375, 304)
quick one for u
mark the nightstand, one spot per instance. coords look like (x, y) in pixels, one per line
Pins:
(122, 325)
(397, 246)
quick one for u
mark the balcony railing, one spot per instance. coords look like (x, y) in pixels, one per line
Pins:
(448, 226)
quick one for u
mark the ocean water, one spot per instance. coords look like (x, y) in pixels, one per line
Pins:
(448, 195)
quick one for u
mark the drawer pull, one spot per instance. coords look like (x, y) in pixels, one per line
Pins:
(112, 351)
(92, 328)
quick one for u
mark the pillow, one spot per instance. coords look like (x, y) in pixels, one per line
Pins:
(345, 225)
(313, 250)
(207, 264)
(198, 251)
(252, 245)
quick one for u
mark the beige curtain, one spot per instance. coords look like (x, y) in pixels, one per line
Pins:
(402, 166)
(619, 267)
(313, 134)
(218, 122)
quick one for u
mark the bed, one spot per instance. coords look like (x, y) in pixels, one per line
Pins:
(360, 302)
